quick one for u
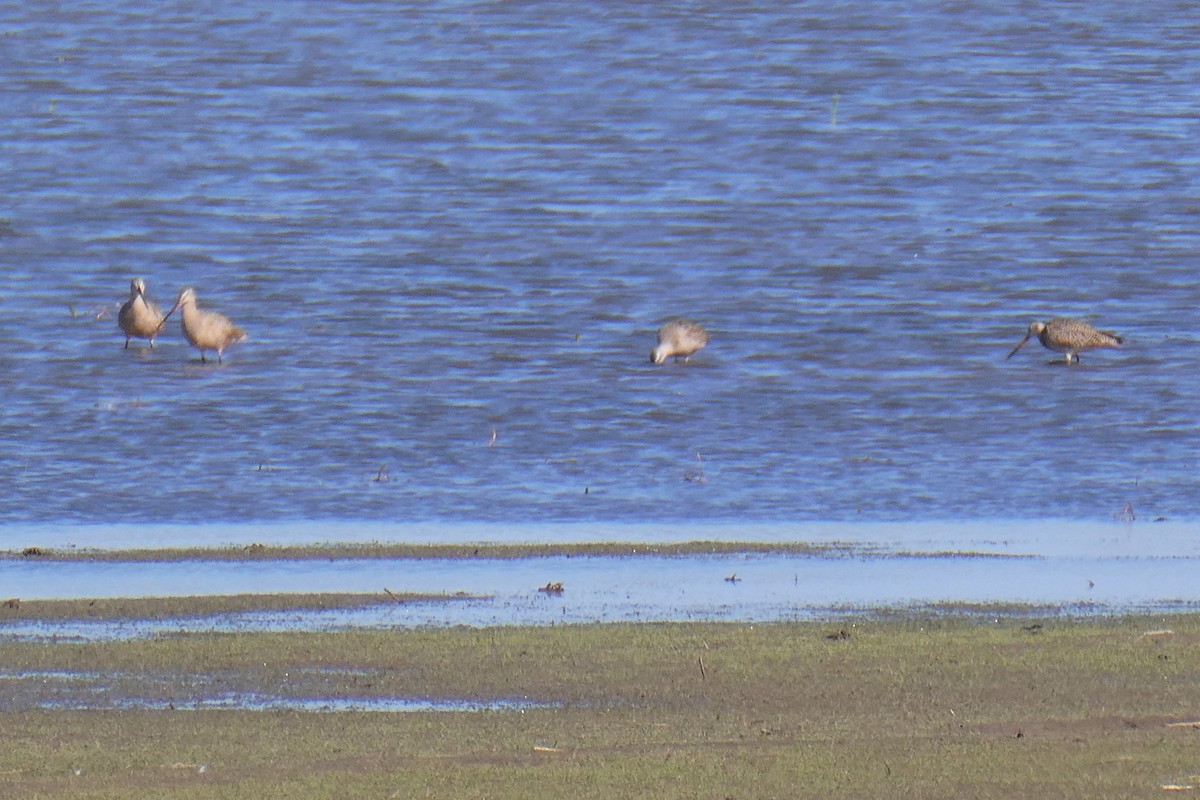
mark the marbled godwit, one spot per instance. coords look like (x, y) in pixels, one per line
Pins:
(206, 330)
(679, 338)
(138, 316)
(1070, 336)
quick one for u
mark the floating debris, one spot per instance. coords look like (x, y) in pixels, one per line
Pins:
(199, 768)
(96, 312)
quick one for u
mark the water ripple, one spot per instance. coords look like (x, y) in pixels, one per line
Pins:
(439, 223)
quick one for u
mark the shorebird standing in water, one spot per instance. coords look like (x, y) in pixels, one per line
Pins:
(206, 330)
(1070, 336)
(138, 316)
(679, 338)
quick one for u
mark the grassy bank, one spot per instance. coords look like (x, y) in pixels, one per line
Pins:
(913, 707)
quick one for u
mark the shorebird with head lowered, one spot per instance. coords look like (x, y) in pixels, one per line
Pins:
(206, 330)
(678, 338)
(138, 316)
(1069, 336)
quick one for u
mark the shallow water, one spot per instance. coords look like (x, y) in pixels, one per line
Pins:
(60, 690)
(444, 224)
(1084, 567)
(451, 231)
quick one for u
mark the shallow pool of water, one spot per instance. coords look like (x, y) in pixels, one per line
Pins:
(1100, 566)
(91, 690)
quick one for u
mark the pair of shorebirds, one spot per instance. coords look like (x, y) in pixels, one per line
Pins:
(206, 330)
(680, 338)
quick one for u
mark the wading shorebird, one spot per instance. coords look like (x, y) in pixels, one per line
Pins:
(138, 316)
(206, 330)
(679, 338)
(1070, 336)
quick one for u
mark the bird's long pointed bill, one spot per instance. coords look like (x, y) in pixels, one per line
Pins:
(1020, 344)
(167, 316)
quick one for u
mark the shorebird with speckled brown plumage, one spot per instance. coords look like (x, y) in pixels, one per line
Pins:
(206, 330)
(1069, 336)
(138, 316)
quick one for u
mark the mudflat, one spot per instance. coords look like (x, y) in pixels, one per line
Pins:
(957, 703)
(381, 550)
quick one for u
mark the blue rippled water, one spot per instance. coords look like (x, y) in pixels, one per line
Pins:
(440, 223)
